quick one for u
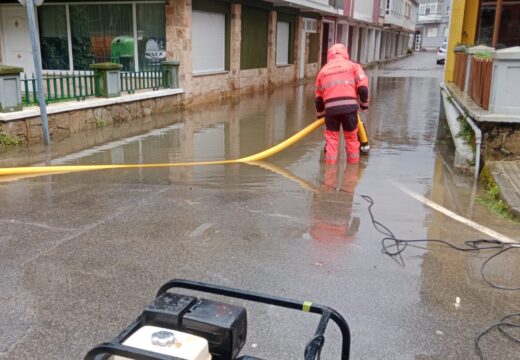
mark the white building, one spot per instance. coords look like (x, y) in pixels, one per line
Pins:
(433, 25)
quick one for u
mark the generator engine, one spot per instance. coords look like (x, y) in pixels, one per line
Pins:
(184, 327)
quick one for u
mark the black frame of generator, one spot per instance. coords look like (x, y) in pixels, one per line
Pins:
(115, 348)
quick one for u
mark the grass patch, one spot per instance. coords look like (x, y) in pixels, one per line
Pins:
(492, 199)
(466, 132)
(7, 142)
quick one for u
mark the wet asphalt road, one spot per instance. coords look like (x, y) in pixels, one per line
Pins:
(81, 254)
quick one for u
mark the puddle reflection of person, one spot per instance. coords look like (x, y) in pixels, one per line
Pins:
(331, 208)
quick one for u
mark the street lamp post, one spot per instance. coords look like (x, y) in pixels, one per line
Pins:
(29, 6)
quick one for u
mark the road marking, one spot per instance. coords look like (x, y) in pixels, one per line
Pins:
(201, 229)
(470, 223)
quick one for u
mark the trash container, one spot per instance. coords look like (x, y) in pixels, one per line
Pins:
(123, 51)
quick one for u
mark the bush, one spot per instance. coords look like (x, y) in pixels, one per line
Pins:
(7, 142)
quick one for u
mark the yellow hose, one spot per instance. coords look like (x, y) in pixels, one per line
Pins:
(362, 134)
(17, 172)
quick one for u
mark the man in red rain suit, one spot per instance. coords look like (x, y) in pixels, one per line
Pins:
(341, 87)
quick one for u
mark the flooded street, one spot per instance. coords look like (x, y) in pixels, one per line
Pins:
(81, 254)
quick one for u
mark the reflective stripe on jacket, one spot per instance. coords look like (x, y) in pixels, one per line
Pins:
(341, 84)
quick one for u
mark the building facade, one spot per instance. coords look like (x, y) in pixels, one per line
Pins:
(433, 24)
(223, 46)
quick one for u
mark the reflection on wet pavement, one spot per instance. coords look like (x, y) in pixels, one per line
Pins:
(82, 253)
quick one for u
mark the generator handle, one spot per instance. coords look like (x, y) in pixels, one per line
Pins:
(305, 306)
(314, 346)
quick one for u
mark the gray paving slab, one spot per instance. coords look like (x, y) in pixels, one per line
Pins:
(506, 174)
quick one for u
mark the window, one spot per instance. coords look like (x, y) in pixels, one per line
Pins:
(432, 31)
(509, 31)
(285, 39)
(102, 32)
(253, 49)
(53, 37)
(151, 40)
(313, 48)
(208, 42)
(432, 8)
(282, 43)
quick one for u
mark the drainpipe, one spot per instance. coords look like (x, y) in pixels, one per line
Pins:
(476, 130)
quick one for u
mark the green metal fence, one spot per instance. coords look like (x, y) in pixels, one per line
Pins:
(59, 87)
(80, 85)
(149, 79)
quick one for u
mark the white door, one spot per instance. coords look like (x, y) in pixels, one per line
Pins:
(17, 41)
(417, 42)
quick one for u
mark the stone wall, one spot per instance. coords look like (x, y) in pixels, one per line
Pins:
(65, 124)
(282, 75)
(35, 153)
(311, 70)
(500, 140)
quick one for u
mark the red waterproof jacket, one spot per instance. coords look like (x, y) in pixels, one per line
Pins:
(341, 84)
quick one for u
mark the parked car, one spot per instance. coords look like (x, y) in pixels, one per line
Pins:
(441, 53)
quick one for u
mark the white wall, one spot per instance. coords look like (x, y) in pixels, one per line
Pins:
(364, 10)
(402, 13)
(322, 5)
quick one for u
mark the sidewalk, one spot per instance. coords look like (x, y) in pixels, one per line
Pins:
(506, 175)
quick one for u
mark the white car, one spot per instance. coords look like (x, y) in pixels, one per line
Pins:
(441, 53)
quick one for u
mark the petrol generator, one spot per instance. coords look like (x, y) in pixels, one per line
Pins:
(185, 327)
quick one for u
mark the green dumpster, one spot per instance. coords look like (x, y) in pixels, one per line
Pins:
(123, 51)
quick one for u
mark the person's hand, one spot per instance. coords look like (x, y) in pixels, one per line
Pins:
(363, 108)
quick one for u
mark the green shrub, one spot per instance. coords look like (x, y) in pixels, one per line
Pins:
(7, 142)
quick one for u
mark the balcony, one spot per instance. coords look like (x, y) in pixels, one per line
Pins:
(483, 96)
(488, 78)
(332, 7)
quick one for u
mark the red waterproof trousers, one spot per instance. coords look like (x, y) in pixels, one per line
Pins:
(333, 125)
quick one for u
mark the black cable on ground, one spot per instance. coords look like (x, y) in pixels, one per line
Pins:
(500, 326)
(393, 246)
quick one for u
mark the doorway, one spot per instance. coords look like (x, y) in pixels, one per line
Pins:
(16, 39)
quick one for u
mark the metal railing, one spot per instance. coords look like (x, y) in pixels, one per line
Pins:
(147, 79)
(59, 87)
(83, 84)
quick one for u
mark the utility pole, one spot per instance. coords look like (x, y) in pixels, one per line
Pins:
(29, 6)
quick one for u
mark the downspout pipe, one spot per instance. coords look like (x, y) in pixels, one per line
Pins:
(476, 129)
